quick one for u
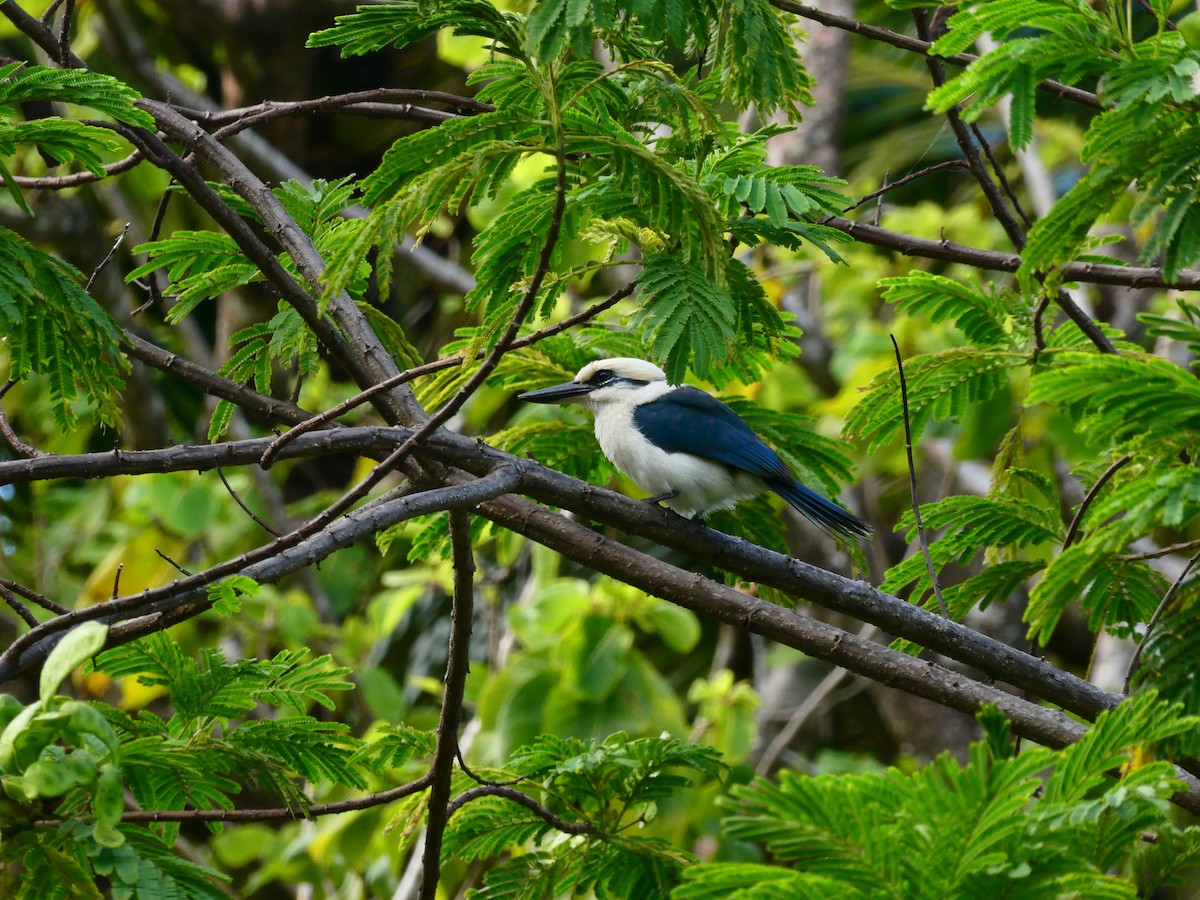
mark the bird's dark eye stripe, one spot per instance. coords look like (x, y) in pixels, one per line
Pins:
(604, 376)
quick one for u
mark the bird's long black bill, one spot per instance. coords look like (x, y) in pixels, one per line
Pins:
(560, 393)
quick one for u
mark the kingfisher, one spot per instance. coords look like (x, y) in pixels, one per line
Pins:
(685, 447)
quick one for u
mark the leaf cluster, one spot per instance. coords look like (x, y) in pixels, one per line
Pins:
(1144, 136)
(1041, 823)
(614, 786)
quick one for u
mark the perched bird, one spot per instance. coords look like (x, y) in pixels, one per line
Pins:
(685, 447)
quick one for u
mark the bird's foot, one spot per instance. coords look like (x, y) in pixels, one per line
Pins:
(659, 498)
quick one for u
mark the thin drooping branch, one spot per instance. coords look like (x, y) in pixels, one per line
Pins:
(922, 540)
(75, 179)
(523, 799)
(1077, 519)
(457, 666)
(907, 179)
(1167, 601)
(263, 815)
(244, 508)
(18, 607)
(998, 170)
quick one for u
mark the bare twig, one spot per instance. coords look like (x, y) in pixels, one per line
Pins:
(998, 169)
(1182, 547)
(33, 596)
(403, 96)
(50, 11)
(1073, 528)
(107, 258)
(18, 607)
(1090, 273)
(457, 667)
(1039, 337)
(908, 179)
(117, 581)
(172, 562)
(238, 500)
(264, 815)
(64, 34)
(912, 483)
(59, 182)
(1167, 601)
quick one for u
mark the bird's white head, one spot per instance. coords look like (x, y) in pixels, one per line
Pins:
(621, 379)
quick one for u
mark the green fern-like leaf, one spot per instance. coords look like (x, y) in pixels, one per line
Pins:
(102, 93)
(1142, 719)
(756, 31)
(1113, 592)
(1168, 663)
(63, 139)
(569, 448)
(1059, 235)
(554, 24)
(52, 327)
(491, 826)
(1127, 400)
(200, 265)
(971, 524)
(978, 830)
(688, 320)
(940, 386)
(977, 312)
(398, 24)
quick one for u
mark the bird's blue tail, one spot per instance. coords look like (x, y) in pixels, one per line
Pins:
(825, 513)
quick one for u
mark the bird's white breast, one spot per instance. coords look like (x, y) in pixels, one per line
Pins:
(703, 486)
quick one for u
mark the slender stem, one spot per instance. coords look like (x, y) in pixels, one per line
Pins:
(263, 815)
(912, 483)
(970, 151)
(1073, 529)
(503, 790)
(907, 179)
(1167, 601)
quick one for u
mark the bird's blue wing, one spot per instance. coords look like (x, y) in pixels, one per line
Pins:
(687, 420)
